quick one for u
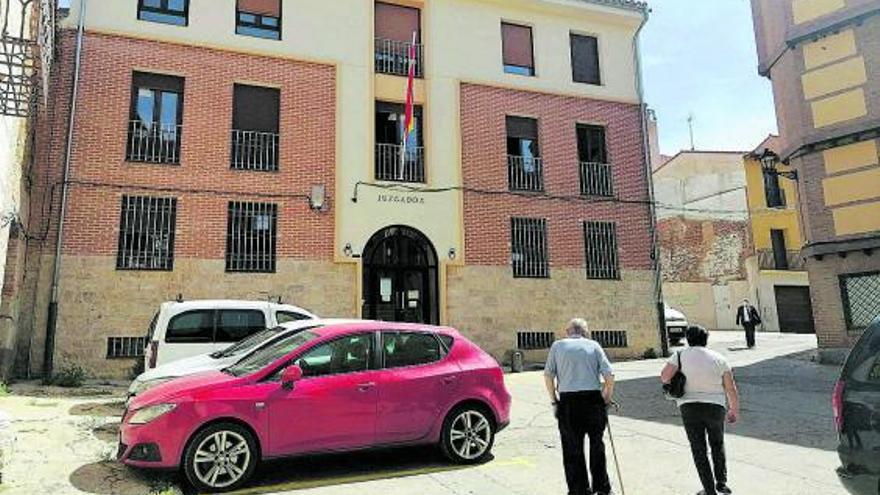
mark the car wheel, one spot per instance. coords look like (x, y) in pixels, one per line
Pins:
(221, 457)
(468, 435)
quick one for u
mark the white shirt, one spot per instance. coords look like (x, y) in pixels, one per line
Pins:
(746, 310)
(704, 369)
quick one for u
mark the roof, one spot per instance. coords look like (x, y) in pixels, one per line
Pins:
(770, 144)
(333, 327)
(231, 303)
(696, 152)
(622, 4)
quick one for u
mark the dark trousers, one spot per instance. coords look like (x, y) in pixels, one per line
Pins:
(750, 334)
(703, 420)
(583, 414)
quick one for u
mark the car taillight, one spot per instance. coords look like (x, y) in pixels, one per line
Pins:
(154, 353)
(837, 404)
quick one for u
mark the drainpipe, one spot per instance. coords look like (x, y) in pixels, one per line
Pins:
(652, 211)
(52, 317)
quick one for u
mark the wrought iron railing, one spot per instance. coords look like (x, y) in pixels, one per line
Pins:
(793, 261)
(597, 179)
(393, 164)
(254, 150)
(154, 143)
(525, 173)
(392, 57)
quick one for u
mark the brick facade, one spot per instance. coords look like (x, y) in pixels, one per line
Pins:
(712, 251)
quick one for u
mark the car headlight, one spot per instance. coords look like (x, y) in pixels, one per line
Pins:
(147, 414)
(138, 387)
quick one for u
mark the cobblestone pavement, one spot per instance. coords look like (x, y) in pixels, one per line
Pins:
(783, 445)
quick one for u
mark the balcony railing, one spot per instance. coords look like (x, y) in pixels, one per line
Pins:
(254, 150)
(153, 143)
(597, 179)
(793, 261)
(525, 173)
(392, 57)
(393, 165)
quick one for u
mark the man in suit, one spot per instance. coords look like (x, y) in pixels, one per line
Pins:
(748, 318)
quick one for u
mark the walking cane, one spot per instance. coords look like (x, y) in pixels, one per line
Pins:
(616, 407)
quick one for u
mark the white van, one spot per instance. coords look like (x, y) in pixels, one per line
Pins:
(181, 329)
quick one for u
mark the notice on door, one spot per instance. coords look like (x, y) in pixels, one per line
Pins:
(385, 289)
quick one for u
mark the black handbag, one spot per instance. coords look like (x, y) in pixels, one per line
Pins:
(675, 387)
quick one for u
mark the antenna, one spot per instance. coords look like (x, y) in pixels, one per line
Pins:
(690, 121)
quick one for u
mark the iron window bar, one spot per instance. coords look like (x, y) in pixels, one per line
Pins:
(153, 142)
(392, 57)
(532, 340)
(164, 11)
(861, 299)
(255, 150)
(610, 339)
(525, 173)
(146, 233)
(125, 347)
(251, 238)
(600, 251)
(529, 251)
(390, 168)
(597, 179)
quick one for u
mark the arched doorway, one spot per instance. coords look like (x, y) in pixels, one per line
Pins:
(400, 277)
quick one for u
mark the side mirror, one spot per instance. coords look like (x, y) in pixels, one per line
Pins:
(290, 376)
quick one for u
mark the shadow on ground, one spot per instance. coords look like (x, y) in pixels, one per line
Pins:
(114, 409)
(786, 400)
(113, 478)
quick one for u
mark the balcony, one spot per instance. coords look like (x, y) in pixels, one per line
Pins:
(392, 57)
(525, 173)
(393, 165)
(597, 179)
(153, 143)
(255, 150)
(793, 261)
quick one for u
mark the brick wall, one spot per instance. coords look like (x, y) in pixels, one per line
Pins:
(484, 167)
(704, 250)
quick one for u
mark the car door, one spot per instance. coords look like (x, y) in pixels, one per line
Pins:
(333, 407)
(860, 435)
(416, 385)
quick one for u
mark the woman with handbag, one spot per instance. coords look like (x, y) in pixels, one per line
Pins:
(702, 383)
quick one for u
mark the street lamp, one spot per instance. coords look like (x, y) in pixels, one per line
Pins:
(769, 161)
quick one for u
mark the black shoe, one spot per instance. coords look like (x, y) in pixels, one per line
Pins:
(723, 488)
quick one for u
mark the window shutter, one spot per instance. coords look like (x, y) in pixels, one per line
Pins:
(270, 8)
(522, 128)
(397, 23)
(255, 108)
(157, 81)
(585, 59)
(517, 45)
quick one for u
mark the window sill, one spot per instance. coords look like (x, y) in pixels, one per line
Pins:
(145, 162)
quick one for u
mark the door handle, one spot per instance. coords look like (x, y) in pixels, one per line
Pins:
(363, 387)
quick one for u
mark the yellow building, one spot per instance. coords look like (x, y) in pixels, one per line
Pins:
(776, 270)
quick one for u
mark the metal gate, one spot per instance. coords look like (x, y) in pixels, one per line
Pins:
(794, 309)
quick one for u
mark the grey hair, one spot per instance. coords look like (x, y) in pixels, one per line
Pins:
(578, 326)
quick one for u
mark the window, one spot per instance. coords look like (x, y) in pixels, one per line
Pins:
(392, 164)
(531, 340)
(517, 49)
(864, 362)
(585, 59)
(610, 339)
(271, 353)
(597, 178)
(146, 233)
(861, 299)
(288, 316)
(125, 347)
(234, 325)
(259, 18)
(780, 254)
(529, 254)
(250, 237)
(600, 250)
(155, 118)
(395, 27)
(409, 349)
(191, 327)
(255, 120)
(774, 194)
(165, 11)
(525, 168)
(346, 355)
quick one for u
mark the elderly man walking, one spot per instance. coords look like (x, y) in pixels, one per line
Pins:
(580, 382)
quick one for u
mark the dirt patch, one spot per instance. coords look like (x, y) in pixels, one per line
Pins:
(97, 389)
(115, 409)
(113, 478)
(107, 432)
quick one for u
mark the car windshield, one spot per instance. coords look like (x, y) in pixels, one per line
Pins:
(270, 353)
(247, 343)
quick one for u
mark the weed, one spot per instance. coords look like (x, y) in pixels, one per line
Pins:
(70, 376)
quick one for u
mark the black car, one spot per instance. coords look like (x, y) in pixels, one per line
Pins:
(857, 414)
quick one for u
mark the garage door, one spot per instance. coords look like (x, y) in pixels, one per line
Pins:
(794, 309)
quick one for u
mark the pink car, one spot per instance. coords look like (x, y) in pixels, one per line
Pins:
(336, 387)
